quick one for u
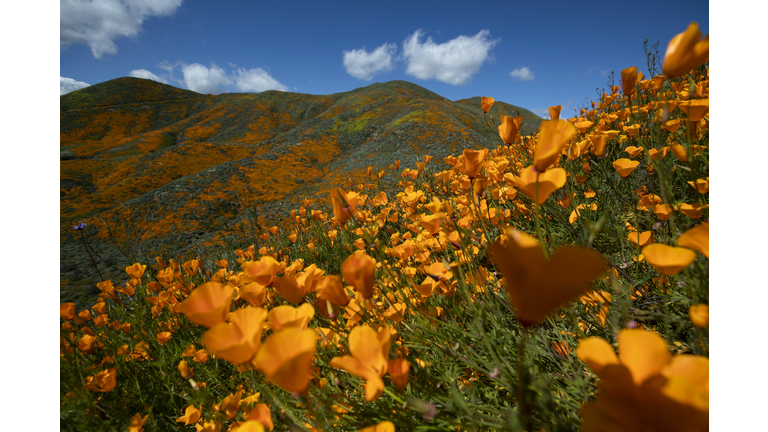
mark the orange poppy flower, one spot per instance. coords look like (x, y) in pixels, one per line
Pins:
(208, 304)
(286, 358)
(137, 423)
(641, 388)
(686, 51)
(575, 213)
(385, 426)
(369, 350)
(67, 311)
(254, 293)
(249, 426)
(359, 270)
(136, 271)
(668, 260)
(261, 414)
(696, 109)
(103, 381)
(281, 317)
(554, 112)
(510, 128)
(473, 161)
(701, 185)
(262, 271)
(696, 238)
(640, 239)
(185, 370)
(552, 138)
(230, 404)
(629, 80)
(672, 125)
(164, 337)
(599, 142)
(662, 211)
(699, 315)
(536, 286)
(191, 416)
(486, 103)
(240, 339)
(540, 186)
(633, 151)
(625, 166)
(693, 211)
(289, 289)
(398, 370)
(344, 203)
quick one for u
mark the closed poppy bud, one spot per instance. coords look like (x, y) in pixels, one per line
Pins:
(473, 161)
(67, 311)
(686, 51)
(629, 80)
(358, 270)
(509, 128)
(553, 137)
(554, 112)
(486, 103)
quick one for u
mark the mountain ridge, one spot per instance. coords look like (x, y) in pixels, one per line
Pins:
(175, 172)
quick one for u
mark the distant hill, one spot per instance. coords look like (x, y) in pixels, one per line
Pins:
(166, 168)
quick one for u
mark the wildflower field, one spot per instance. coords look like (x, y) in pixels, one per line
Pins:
(557, 282)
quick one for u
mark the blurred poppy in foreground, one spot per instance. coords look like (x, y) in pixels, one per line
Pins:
(536, 286)
(686, 51)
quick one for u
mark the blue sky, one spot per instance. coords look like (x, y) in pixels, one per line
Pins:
(530, 54)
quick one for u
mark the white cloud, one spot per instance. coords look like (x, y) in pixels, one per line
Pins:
(165, 65)
(256, 80)
(143, 73)
(363, 65)
(453, 62)
(542, 112)
(522, 74)
(69, 85)
(97, 23)
(204, 80)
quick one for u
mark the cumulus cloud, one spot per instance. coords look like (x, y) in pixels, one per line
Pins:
(69, 85)
(522, 74)
(453, 62)
(143, 73)
(97, 23)
(256, 80)
(204, 80)
(364, 65)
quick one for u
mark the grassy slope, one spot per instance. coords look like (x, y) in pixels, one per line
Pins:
(166, 168)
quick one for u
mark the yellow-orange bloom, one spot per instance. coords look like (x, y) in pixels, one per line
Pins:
(136, 271)
(137, 423)
(540, 186)
(369, 350)
(262, 271)
(640, 239)
(554, 112)
(552, 138)
(486, 103)
(103, 381)
(696, 238)
(238, 341)
(643, 389)
(625, 166)
(398, 370)
(67, 311)
(685, 51)
(358, 270)
(473, 161)
(344, 203)
(281, 317)
(510, 128)
(191, 416)
(536, 286)
(208, 304)
(699, 315)
(385, 426)
(286, 358)
(629, 80)
(185, 370)
(668, 260)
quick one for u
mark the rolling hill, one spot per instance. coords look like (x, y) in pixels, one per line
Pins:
(156, 170)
